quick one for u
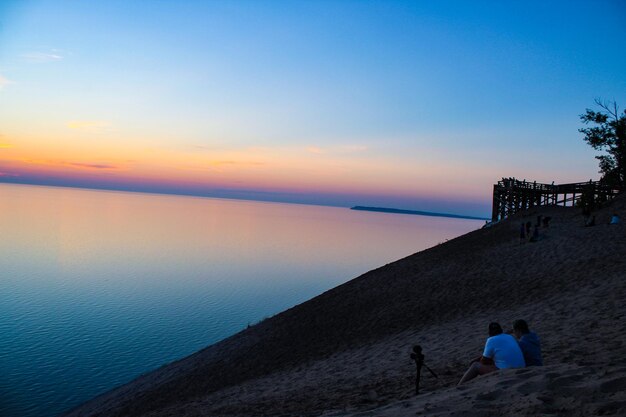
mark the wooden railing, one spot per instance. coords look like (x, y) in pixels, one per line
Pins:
(511, 195)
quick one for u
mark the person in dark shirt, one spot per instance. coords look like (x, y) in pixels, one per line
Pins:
(529, 343)
(535, 237)
(546, 221)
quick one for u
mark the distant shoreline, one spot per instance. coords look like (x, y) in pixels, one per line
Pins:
(261, 197)
(416, 212)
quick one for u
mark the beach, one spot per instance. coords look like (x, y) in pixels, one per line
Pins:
(346, 352)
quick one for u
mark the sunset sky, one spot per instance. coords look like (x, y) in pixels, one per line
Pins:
(417, 105)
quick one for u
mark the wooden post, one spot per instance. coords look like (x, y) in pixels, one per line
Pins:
(494, 204)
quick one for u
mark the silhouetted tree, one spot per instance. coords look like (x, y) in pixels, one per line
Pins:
(609, 135)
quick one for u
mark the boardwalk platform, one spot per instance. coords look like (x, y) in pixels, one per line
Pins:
(511, 195)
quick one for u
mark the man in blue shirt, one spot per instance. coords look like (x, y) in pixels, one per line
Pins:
(501, 352)
(529, 343)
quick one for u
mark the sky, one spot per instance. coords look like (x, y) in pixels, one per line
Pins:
(415, 105)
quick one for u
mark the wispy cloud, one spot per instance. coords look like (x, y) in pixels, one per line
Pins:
(8, 174)
(337, 149)
(354, 148)
(91, 166)
(226, 147)
(225, 162)
(315, 149)
(73, 164)
(86, 124)
(42, 57)
(220, 164)
(206, 148)
(4, 81)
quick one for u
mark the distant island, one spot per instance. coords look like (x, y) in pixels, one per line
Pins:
(420, 213)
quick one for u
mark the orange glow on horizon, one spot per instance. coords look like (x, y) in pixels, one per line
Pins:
(350, 169)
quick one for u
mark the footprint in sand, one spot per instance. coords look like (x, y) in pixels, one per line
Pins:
(488, 396)
(614, 385)
(530, 387)
(613, 408)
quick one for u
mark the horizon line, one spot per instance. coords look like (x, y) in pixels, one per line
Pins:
(15, 181)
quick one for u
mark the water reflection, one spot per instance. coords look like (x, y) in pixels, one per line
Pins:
(97, 287)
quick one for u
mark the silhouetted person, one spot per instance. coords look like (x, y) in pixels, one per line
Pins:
(522, 233)
(529, 343)
(586, 215)
(539, 220)
(591, 222)
(528, 226)
(546, 221)
(535, 236)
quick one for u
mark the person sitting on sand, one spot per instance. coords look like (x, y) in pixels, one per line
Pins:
(529, 343)
(501, 351)
(614, 219)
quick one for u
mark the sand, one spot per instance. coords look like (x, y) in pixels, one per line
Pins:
(346, 352)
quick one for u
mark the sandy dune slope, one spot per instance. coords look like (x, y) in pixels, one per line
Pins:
(346, 351)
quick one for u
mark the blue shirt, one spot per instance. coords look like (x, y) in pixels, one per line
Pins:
(531, 348)
(505, 351)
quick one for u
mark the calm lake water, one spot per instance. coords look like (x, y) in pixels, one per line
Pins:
(97, 287)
